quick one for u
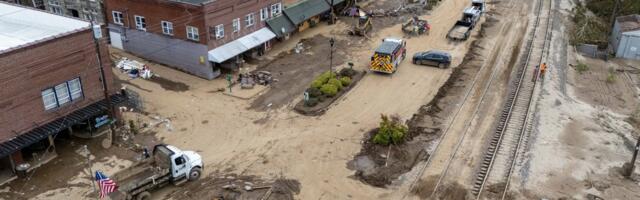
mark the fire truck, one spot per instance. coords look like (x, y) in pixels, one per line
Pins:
(388, 55)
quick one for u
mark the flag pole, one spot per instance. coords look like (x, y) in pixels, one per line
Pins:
(91, 178)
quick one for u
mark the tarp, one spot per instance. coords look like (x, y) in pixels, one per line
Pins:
(231, 49)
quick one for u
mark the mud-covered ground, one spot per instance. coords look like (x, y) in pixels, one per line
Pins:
(234, 187)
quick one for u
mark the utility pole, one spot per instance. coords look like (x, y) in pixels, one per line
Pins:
(91, 178)
(333, 21)
(97, 34)
(633, 159)
(331, 41)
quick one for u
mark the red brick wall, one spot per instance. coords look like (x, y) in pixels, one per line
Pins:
(224, 11)
(155, 11)
(25, 72)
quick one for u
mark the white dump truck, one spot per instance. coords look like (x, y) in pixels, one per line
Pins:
(167, 164)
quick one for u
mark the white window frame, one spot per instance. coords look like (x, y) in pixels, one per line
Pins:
(276, 9)
(49, 99)
(219, 31)
(117, 17)
(62, 94)
(249, 20)
(75, 89)
(54, 2)
(264, 14)
(192, 33)
(167, 27)
(236, 25)
(141, 22)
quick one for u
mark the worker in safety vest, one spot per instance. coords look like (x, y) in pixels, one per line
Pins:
(543, 69)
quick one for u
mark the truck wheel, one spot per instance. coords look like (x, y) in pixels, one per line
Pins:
(194, 174)
(143, 196)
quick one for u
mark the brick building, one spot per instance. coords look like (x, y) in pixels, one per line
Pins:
(196, 36)
(89, 10)
(50, 82)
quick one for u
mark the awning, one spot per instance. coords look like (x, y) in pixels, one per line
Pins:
(43, 131)
(280, 25)
(231, 49)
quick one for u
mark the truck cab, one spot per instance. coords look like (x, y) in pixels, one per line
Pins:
(479, 4)
(184, 164)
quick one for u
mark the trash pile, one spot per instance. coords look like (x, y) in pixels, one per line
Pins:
(134, 68)
(250, 79)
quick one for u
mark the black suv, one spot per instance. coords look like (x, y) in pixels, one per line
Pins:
(435, 58)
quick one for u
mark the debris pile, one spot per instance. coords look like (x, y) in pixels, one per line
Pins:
(250, 79)
(134, 68)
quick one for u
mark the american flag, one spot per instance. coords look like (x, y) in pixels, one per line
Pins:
(105, 183)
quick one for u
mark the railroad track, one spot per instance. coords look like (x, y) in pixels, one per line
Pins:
(500, 157)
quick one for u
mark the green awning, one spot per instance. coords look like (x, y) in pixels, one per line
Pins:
(280, 25)
(304, 10)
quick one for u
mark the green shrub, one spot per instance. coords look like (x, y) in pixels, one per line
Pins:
(314, 92)
(391, 131)
(329, 90)
(336, 82)
(347, 72)
(581, 67)
(611, 78)
(311, 102)
(317, 84)
(346, 81)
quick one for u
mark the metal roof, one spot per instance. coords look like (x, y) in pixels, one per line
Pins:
(43, 131)
(21, 26)
(231, 49)
(304, 10)
(280, 25)
(387, 47)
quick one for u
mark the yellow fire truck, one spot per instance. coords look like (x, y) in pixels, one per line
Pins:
(388, 56)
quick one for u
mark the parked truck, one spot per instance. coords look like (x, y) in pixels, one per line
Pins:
(168, 164)
(461, 30)
(388, 55)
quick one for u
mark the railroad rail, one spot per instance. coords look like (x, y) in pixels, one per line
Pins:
(500, 157)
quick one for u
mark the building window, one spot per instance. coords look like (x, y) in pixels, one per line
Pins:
(249, 19)
(264, 14)
(49, 99)
(62, 94)
(276, 9)
(54, 2)
(219, 31)
(117, 17)
(75, 89)
(57, 10)
(141, 24)
(192, 33)
(236, 25)
(167, 28)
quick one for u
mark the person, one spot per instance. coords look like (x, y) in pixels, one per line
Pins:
(145, 153)
(535, 73)
(543, 69)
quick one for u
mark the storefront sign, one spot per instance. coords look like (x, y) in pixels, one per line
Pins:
(102, 120)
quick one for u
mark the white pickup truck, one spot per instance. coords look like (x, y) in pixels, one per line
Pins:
(168, 164)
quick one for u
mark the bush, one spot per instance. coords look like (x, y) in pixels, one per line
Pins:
(317, 84)
(348, 72)
(581, 67)
(611, 77)
(311, 102)
(391, 131)
(329, 90)
(346, 81)
(322, 79)
(336, 82)
(314, 92)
